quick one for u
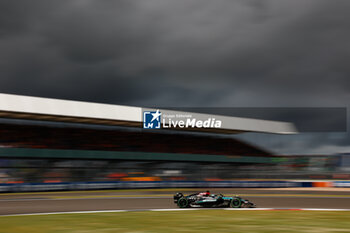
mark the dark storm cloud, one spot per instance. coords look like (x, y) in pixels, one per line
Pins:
(230, 51)
(178, 53)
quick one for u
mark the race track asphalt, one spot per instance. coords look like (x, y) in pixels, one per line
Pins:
(23, 203)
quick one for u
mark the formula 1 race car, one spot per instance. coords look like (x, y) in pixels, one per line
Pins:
(208, 200)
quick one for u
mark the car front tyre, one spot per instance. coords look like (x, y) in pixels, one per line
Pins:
(235, 203)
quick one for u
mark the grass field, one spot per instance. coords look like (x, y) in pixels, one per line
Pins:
(184, 221)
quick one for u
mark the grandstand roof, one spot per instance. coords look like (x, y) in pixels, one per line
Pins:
(37, 108)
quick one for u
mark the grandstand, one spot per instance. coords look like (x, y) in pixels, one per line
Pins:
(117, 139)
(50, 141)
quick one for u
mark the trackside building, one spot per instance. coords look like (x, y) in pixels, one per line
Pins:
(51, 144)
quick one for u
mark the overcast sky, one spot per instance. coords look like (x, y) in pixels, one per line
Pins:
(183, 53)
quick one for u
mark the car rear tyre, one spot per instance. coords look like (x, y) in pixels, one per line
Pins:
(182, 202)
(235, 203)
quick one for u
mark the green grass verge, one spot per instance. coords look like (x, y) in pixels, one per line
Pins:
(184, 221)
